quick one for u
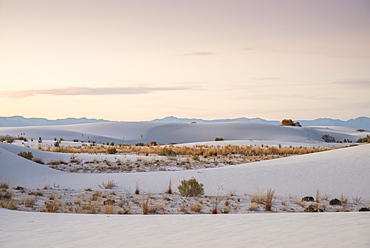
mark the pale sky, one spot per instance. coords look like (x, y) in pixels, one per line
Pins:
(139, 60)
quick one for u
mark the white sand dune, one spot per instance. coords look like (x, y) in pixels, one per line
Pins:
(23, 229)
(164, 133)
(334, 172)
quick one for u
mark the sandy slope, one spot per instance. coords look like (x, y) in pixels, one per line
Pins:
(334, 172)
(133, 132)
(24, 229)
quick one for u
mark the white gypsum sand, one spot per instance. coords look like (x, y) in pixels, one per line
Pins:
(336, 172)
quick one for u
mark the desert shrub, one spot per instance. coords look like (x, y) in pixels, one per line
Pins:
(111, 150)
(313, 208)
(167, 152)
(6, 194)
(335, 201)
(364, 140)
(307, 198)
(140, 144)
(30, 201)
(38, 160)
(153, 143)
(56, 162)
(75, 140)
(328, 138)
(190, 187)
(219, 139)
(40, 140)
(290, 122)
(4, 185)
(56, 144)
(27, 155)
(7, 138)
(364, 209)
(22, 138)
(360, 130)
(52, 206)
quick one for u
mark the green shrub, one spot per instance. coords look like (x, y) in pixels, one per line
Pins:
(38, 160)
(7, 138)
(111, 150)
(190, 187)
(166, 152)
(27, 155)
(328, 138)
(364, 140)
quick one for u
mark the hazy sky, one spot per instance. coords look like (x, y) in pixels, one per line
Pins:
(140, 60)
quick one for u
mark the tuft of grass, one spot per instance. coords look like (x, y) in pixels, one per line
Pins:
(215, 206)
(318, 196)
(343, 199)
(258, 197)
(145, 205)
(30, 201)
(169, 190)
(52, 206)
(109, 209)
(269, 197)
(253, 207)
(357, 200)
(196, 208)
(109, 185)
(137, 189)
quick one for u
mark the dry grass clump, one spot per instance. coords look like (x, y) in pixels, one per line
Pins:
(258, 197)
(253, 207)
(30, 201)
(145, 204)
(196, 208)
(52, 206)
(215, 206)
(169, 189)
(199, 150)
(269, 197)
(109, 185)
(109, 209)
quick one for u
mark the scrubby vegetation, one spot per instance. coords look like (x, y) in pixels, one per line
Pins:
(290, 122)
(109, 201)
(27, 155)
(7, 138)
(364, 140)
(328, 138)
(190, 187)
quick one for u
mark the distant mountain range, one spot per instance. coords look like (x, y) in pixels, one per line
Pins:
(359, 122)
(20, 121)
